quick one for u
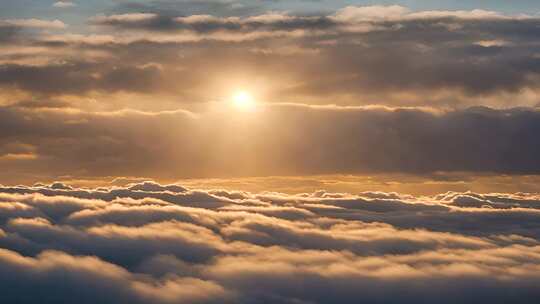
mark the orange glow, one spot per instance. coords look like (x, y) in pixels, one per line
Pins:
(243, 100)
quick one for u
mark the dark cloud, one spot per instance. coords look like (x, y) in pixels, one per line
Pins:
(190, 7)
(54, 277)
(79, 77)
(274, 140)
(264, 247)
(7, 33)
(208, 24)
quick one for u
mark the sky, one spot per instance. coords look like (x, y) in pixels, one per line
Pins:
(269, 151)
(103, 89)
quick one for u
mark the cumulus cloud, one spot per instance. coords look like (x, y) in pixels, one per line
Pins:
(56, 276)
(313, 247)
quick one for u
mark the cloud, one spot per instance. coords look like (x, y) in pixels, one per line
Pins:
(106, 100)
(400, 13)
(8, 32)
(366, 247)
(351, 17)
(445, 59)
(127, 18)
(35, 23)
(282, 139)
(371, 13)
(53, 276)
(64, 4)
(79, 77)
(202, 27)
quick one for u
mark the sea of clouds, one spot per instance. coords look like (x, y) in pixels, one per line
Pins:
(152, 243)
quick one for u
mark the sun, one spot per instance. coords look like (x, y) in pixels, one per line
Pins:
(244, 100)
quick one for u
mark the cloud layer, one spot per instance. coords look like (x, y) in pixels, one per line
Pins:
(356, 55)
(168, 244)
(38, 143)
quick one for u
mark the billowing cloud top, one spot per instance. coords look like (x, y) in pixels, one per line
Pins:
(148, 242)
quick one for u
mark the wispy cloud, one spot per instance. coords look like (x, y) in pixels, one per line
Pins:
(34, 23)
(64, 4)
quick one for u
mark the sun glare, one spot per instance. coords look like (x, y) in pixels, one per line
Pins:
(243, 100)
